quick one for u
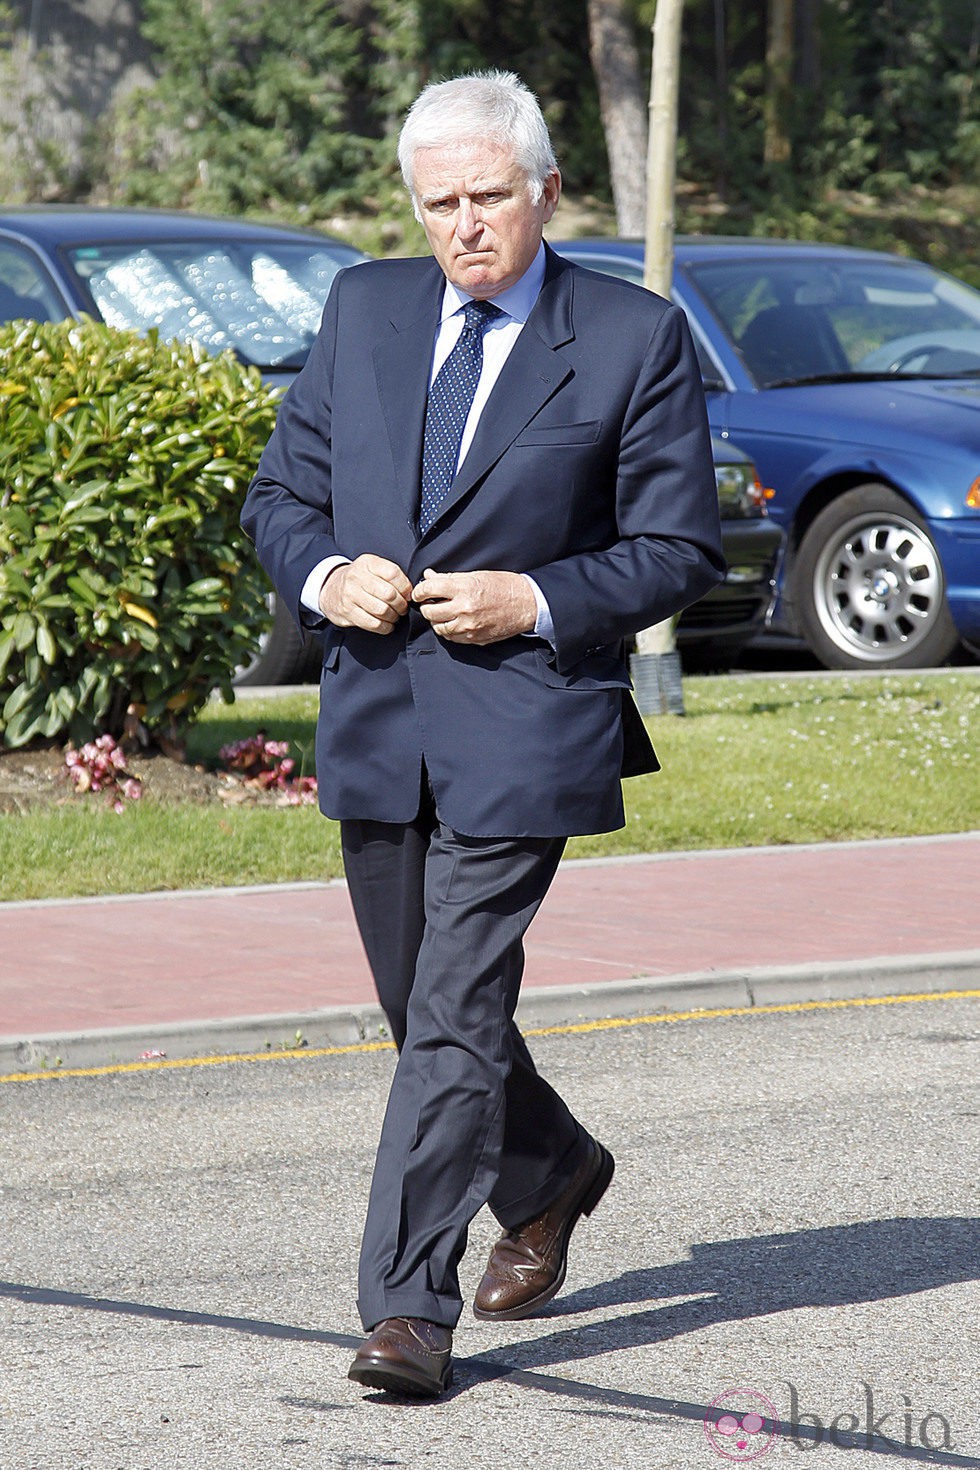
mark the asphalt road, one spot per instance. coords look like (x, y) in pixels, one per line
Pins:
(790, 1225)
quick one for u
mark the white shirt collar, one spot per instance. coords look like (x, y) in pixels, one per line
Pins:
(517, 301)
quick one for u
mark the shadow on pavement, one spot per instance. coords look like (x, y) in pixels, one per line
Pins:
(833, 1266)
(734, 1281)
(737, 1280)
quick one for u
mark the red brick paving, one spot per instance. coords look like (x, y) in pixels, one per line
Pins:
(94, 963)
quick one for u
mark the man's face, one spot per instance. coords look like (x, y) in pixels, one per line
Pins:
(478, 214)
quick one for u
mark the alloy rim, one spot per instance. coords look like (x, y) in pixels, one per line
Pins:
(878, 588)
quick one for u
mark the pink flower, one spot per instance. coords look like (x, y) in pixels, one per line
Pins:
(98, 766)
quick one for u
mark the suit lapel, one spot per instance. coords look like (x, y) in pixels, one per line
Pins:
(533, 372)
(402, 361)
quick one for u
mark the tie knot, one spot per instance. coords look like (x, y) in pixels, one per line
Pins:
(479, 315)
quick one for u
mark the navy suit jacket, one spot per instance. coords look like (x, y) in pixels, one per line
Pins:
(590, 469)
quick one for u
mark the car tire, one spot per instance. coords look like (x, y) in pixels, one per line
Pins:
(868, 585)
(285, 656)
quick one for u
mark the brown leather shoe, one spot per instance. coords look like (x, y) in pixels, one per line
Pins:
(406, 1355)
(527, 1265)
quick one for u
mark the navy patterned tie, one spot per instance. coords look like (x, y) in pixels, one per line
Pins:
(450, 401)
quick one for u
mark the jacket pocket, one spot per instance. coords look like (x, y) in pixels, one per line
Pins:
(596, 671)
(331, 642)
(552, 435)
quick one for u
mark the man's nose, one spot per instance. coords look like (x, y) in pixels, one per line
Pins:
(468, 222)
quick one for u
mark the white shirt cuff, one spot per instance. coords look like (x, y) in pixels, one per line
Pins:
(543, 625)
(310, 595)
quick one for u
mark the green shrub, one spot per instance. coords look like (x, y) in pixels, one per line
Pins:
(127, 590)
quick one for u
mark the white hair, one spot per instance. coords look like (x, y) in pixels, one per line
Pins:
(487, 106)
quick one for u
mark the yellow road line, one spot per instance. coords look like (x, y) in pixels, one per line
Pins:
(613, 1023)
(113, 1069)
(711, 1015)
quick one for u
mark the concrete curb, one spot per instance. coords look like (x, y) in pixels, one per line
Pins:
(540, 1007)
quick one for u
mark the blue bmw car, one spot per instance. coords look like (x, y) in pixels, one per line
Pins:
(852, 379)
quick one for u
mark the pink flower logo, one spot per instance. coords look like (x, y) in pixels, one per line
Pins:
(741, 1424)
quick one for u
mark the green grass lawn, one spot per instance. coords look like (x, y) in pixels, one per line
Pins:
(757, 760)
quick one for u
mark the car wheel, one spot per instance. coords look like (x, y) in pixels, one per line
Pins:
(284, 656)
(868, 585)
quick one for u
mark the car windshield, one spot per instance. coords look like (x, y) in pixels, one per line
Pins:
(263, 300)
(804, 320)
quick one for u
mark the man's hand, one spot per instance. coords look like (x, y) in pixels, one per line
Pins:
(369, 592)
(476, 607)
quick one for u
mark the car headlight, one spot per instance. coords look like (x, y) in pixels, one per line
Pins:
(740, 491)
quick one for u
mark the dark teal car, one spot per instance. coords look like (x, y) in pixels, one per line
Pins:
(255, 289)
(852, 379)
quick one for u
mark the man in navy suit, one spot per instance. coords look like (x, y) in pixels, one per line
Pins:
(494, 468)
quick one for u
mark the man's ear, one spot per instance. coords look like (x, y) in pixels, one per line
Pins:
(552, 193)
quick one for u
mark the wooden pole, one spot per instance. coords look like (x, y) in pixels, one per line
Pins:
(662, 147)
(656, 665)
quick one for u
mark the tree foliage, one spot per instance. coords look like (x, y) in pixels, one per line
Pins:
(877, 94)
(295, 109)
(257, 107)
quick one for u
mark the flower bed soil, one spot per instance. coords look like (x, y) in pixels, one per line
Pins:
(39, 777)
